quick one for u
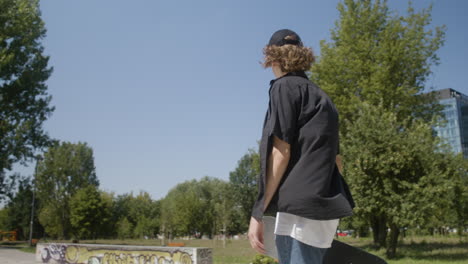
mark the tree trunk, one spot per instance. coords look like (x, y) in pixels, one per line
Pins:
(379, 231)
(460, 229)
(363, 231)
(64, 231)
(163, 231)
(224, 235)
(375, 230)
(392, 245)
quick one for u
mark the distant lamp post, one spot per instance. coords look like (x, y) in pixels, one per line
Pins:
(38, 158)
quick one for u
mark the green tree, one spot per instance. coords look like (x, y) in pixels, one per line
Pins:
(24, 101)
(167, 224)
(208, 191)
(4, 219)
(140, 211)
(396, 179)
(18, 213)
(144, 214)
(196, 207)
(88, 213)
(383, 59)
(140, 205)
(53, 219)
(65, 169)
(109, 229)
(124, 228)
(224, 207)
(121, 207)
(144, 228)
(183, 206)
(380, 57)
(244, 183)
(155, 217)
(457, 168)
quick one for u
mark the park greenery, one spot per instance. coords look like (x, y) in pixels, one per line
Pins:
(24, 101)
(404, 179)
(374, 68)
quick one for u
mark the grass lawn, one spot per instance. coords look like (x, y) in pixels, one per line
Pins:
(421, 250)
(411, 250)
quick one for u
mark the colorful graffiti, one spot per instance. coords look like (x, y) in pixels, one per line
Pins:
(116, 254)
(204, 256)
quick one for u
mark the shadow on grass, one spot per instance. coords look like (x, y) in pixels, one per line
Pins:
(12, 243)
(440, 251)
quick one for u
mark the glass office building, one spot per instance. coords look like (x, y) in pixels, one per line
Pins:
(455, 132)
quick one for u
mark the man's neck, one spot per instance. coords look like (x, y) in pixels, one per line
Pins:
(277, 71)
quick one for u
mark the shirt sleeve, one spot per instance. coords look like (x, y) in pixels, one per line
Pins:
(284, 112)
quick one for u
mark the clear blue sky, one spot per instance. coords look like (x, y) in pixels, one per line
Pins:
(167, 91)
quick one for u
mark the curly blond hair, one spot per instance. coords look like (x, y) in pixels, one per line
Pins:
(290, 57)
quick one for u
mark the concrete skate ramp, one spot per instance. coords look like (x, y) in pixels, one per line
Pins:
(107, 254)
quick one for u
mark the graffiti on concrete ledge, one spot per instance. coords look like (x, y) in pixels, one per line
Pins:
(87, 254)
(204, 256)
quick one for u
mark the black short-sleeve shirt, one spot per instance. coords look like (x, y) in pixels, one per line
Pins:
(303, 115)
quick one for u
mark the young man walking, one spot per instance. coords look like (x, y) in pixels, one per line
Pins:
(300, 181)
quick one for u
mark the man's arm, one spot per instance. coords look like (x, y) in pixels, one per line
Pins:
(339, 163)
(277, 164)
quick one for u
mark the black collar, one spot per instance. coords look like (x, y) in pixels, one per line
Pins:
(298, 73)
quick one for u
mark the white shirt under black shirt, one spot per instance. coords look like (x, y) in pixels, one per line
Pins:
(316, 233)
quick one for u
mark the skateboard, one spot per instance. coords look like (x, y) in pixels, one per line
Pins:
(342, 253)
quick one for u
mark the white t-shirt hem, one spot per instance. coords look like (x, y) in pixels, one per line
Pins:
(316, 233)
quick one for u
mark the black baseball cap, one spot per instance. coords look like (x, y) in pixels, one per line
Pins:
(284, 37)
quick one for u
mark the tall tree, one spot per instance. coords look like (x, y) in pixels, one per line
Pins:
(457, 168)
(88, 213)
(396, 178)
(18, 214)
(65, 168)
(244, 183)
(4, 219)
(109, 229)
(121, 207)
(196, 207)
(24, 101)
(208, 190)
(167, 225)
(378, 56)
(144, 214)
(139, 206)
(124, 228)
(224, 207)
(181, 208)
(383, 59)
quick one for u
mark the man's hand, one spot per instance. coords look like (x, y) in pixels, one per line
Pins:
(256, 235)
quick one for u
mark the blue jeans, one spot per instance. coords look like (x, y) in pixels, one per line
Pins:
(292, 251)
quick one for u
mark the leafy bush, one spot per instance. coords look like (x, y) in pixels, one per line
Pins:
(262, 259)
